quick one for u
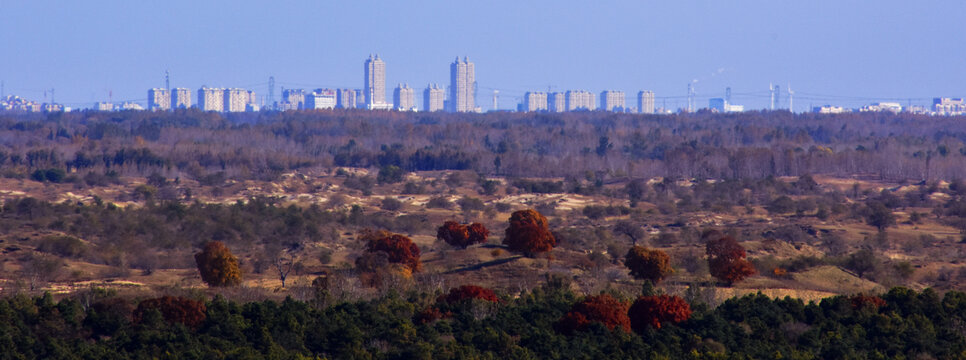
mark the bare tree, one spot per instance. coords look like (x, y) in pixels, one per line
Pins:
(284, 263)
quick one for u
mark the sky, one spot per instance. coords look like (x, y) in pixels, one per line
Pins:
(839, 52)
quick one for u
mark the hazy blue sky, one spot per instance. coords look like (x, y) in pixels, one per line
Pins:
(863, 51)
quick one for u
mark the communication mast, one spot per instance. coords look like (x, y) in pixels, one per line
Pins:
(167, 80)
(728, 95)
(791, 99)
(496, 101)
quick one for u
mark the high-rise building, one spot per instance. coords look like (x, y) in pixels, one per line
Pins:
(292, 99)
(375, 82)
(462, 91)
(645, 102)
(949, 106)
(237, 100)
(534, 101)
(360, 98)
(180, 98)
(159, 99)
(404, 98)
(211, 99)
(580, 100)
(345, 99)
(320, 99)
(433, 98)
(612, 100)
(557, 102)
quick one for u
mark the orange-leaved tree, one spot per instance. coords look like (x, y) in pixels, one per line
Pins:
(529, 233)
(460, 235)
(173, 310)
(726, 258)
(648, 264)
(217, 265)
(398, 249)
(464, 292)
(603, 309)
(655, 310)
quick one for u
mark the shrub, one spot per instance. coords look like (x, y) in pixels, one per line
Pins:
(529, 233)
(603, 309)
(391, 204)
(439, 202)
(464, 292)
(217, 265)
(656, 310)
(397, 248)
(648, 264)
(461, 236)
(189, 312)
(62, 245)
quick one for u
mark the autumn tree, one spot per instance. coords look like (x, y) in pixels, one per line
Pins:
(464, 292)
(462, 236)
(656, 310)
(648, 264)
(217, 265)
(603, 309)
(398, 249)
(182, 310)
(726, 258)
(529, 233)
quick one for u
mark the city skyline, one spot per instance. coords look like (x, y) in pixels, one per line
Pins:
(829, 52)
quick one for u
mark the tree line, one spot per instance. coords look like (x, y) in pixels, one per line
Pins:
(473, 322)
(193, 144)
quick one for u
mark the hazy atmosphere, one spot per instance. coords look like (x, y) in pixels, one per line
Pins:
(841, 52)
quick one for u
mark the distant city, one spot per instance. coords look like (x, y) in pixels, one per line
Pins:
(459, 96)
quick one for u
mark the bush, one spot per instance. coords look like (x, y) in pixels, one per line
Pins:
(461, 236)
(62, 245)
(529, 233)
(439, 202)
(397, 248)
(471, 203)
(464, 292)
(647, 264)
(217, 265)
(390, 174)
(657, 310)
(602, 309)
(189, 312)
(391, 204)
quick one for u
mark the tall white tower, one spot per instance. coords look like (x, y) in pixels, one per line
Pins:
(375, 81)
(462, 86)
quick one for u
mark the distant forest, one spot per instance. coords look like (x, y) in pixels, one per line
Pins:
(95, 147)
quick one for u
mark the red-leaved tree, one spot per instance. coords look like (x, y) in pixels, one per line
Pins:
(173, 310)
(464, 292)
(529, 233)
(726, 258)
(217, 265)
(460, 235)
(603, 309)
(648, 264)
(398, 249)
(655, 310)
(862, 301)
